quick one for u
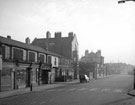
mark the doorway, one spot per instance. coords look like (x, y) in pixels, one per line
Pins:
(45, 77)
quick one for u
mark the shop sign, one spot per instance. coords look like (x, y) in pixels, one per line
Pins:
(46, 68)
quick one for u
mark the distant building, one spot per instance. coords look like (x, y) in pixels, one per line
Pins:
(96, 62)
(93, 57)
(65, 46)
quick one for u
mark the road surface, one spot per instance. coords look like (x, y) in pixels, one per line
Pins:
(105, 91)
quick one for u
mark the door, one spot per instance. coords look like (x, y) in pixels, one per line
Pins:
(45, 77)
(28, 77)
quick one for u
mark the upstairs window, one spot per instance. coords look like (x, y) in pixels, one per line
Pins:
(7, 52)
(42, 58)
(55, 61)
(17, 54)
(49, 59)
(24, 55)
(32, 56)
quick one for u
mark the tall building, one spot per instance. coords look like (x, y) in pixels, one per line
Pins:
(96, 62)
(93, 57)
(65, 46)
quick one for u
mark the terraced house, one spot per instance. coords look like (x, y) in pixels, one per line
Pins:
(24, 64)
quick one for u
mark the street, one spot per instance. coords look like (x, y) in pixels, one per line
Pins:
(104, 91)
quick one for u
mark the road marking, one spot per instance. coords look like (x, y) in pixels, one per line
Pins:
(93, 89)
(118, 90)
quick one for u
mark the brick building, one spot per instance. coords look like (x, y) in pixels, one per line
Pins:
(65, 46)
(24, 64)
(96, 61)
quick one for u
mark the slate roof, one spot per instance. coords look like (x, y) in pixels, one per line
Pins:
(19, 44)
(56, 45)
(51, 40)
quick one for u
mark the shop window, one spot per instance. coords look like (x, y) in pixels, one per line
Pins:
(6, 79)
(21, 78)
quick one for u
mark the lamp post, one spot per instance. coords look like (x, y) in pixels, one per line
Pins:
(123, 1)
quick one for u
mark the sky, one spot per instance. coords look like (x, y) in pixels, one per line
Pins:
(98, 24)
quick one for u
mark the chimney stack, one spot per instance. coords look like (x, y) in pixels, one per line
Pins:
(27, 40)
(70, 34)
(57, 35)
(86, 53)
(8, 37)
(48, 34)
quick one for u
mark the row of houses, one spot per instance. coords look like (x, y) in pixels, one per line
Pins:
(24, 64)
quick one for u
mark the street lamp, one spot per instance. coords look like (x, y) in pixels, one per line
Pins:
(123, 1)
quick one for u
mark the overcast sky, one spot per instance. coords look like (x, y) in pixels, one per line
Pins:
(98, 24)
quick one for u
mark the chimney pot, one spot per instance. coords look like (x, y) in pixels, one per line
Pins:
(48, 34)
(70, 34)
(9, 37)
(57, 35)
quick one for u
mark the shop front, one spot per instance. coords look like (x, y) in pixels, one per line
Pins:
(20, 78)
(44, 74)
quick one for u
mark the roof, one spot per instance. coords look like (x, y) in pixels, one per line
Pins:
(15, 43)
(58, 45)
(43, 40)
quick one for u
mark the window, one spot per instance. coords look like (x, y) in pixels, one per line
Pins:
(49, 59)
(18, 54)
(42, 58)
(24, 55)
(6, 52)
(32, 56)
(55, 62)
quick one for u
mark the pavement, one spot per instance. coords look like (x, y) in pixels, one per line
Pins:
(16, 92)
